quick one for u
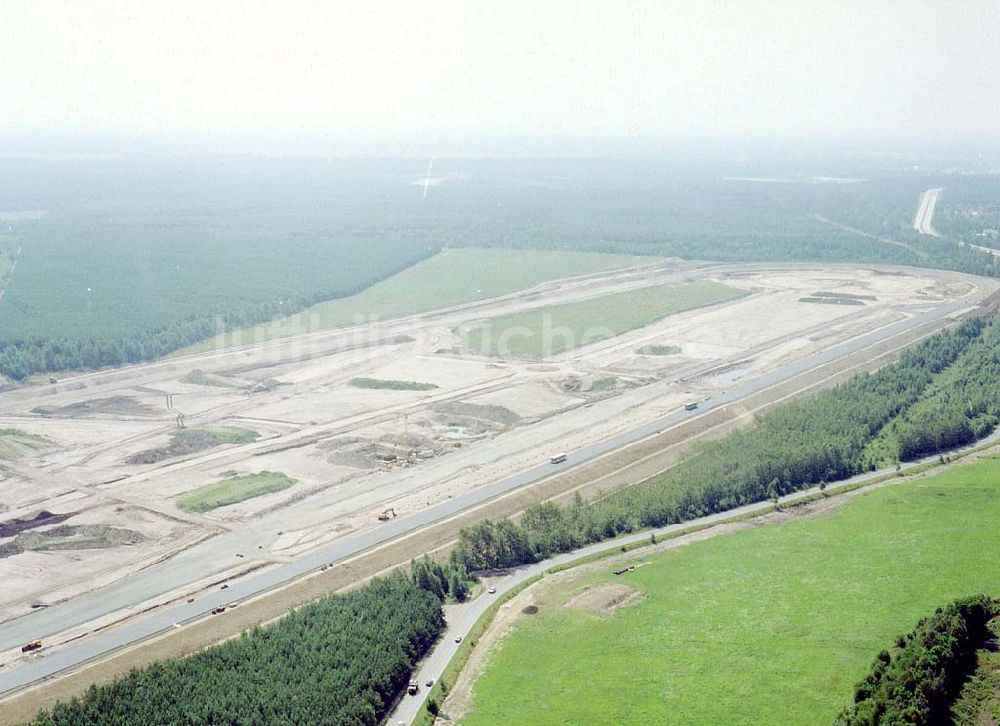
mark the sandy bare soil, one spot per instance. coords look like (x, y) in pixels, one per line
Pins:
(355, 452)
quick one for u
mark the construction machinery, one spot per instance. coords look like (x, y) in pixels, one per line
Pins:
(387, 514)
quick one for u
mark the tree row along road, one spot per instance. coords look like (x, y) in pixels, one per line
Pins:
(97, 645)
(464, 616)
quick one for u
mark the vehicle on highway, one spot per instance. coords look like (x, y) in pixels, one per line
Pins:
(33, 645)
(691, 406)
(558, 458)
(458, 638)
(218, 610)
(430, 682)
(413, 688)
(492, 591)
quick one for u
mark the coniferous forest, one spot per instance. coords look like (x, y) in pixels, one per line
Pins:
(341, 660)
(939, 394)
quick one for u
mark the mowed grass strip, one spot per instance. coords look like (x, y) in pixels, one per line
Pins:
(392, 385)
(451, 277)
(233, 490)
(773, 624)
(551, 330)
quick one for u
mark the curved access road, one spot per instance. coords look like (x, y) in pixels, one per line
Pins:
(463, 617)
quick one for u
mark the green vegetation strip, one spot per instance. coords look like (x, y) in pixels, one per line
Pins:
(451, 277)
(554, 329)
(234, 490)
(189, 441)
(379, 383)
(792, 613)
(919, 680)
(827, 437)
(15, 443)
(659, 350)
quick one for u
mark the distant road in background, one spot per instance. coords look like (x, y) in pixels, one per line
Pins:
(925, 212)
(925, 217)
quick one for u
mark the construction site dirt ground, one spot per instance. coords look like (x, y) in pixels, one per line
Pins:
(354, 452)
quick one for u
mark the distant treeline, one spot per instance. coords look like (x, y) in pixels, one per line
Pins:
(22, 358)
(341, 660)
(825, 438)
(920, 681)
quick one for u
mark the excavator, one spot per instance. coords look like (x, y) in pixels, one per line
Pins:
(388, 514)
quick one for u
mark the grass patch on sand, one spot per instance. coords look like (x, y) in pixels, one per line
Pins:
(388, 384)
(233, 490)
(659, 350)
(557, 328)
(190, 441)
(199, 377)
(451, 277)
(15, 443)
(769, 624)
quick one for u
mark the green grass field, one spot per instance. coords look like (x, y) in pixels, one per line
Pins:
(233, 490)
(451, 277)
(552, 330)
(771, 625)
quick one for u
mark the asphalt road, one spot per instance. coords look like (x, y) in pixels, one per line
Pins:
(463, 617)
(177, 571)
(925, 212)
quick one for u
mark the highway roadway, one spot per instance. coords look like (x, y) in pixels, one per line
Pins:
(924, 218)
(925, 212)
(464, 616)
(184, 568)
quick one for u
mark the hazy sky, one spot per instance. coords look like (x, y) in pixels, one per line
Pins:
(422, 70)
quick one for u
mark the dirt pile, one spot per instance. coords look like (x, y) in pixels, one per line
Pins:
(70, 537)
(605, 598)
(15, 526)
(112, 405)
(191, 441)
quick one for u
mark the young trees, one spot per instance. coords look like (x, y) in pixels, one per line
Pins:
(824, 438)
(342, 659)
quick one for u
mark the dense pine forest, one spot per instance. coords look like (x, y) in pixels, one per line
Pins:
(341, 660)
(939, 393)
(105, 264)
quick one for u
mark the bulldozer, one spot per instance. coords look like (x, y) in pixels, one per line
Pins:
(386, 515)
